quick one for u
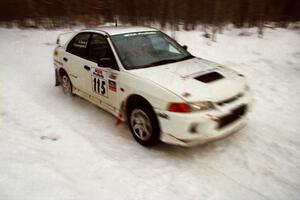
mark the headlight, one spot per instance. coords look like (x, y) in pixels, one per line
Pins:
(190, 107)
(200, 106)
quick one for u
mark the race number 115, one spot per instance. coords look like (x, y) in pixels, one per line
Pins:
(99, 86)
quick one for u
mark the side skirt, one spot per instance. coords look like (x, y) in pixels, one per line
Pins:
(97, 102)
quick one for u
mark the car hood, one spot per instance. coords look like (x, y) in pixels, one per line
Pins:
(188, 79)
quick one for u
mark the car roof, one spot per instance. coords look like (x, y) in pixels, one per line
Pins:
(115, 30)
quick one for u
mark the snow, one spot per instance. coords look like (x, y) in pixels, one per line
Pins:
(57, 147)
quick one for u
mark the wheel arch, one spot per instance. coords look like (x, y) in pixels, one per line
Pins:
(136, 98)
(62, 71)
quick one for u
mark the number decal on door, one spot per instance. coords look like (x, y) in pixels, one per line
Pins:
(99, 86)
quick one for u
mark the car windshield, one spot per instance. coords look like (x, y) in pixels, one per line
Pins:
(146, 49)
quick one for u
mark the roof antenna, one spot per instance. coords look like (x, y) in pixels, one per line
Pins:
(116, 21)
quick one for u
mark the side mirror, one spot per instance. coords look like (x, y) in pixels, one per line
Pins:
(185, 47)
(106, 62)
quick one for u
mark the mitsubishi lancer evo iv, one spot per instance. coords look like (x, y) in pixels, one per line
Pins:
(144, 77)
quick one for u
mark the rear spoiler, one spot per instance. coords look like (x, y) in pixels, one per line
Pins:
(63, 38)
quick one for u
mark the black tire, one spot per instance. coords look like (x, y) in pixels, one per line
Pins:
(143, 107)
(66, 84)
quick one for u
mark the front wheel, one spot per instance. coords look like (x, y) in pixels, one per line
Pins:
(144, 125)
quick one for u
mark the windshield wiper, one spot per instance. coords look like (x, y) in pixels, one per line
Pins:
(161, 62)
(167, 61)
(186, 57)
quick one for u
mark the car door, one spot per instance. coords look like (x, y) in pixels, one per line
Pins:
(75, 61)
(104, 81)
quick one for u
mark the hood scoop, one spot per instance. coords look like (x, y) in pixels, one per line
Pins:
(209, 77)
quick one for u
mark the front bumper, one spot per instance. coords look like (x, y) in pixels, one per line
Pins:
(190, 129)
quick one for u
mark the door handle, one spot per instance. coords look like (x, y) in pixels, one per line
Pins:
(65, 59)
(87, 68)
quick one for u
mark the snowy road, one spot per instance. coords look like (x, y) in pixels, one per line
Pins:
(58, 147)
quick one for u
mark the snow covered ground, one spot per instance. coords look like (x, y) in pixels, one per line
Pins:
(58, 147)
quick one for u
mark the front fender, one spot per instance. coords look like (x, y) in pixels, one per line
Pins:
(157, 96)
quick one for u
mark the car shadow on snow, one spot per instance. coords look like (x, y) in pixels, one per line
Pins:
(122, 135)
(198, 151)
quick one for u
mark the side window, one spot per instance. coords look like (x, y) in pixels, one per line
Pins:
(99, 48)
(79, 44)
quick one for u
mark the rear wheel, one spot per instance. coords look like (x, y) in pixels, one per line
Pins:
(66, 84)
(143, 124)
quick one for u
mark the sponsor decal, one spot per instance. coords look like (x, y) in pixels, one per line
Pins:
(80, 44)
(124, 36)
(113, 76)
(99, 82)
(98, 72)
(112, 85)
(99, 86)
(140, 33)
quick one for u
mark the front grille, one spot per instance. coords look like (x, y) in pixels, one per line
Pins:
(210, 77)
(234, 116)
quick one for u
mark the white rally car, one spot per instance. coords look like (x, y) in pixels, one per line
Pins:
(144, 77)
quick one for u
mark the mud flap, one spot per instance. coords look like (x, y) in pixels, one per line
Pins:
(120, 118)
(57, 81)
